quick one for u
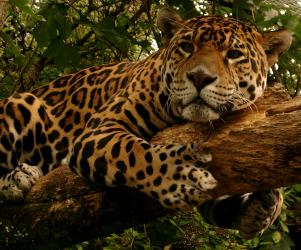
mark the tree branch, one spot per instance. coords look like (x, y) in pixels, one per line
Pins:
(253, 150)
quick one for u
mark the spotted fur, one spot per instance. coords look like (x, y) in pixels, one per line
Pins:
(99, 120)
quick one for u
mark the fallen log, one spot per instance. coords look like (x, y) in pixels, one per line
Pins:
(253, 150)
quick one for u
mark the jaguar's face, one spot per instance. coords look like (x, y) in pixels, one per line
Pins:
(214, 65)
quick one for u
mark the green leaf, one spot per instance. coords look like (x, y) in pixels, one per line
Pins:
(241, 9)
(43, 33)
(64, 27)
(12, 49)
(105, 27)
(63, 54)
(55, 25)
(108, 33)
(123, 21)
(276, 236)
(22, 5)
(108, 23)
(297, 187)
(284, 227)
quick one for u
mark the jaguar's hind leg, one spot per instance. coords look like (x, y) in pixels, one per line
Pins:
(250, 213)
(18, 182)
(23, 125)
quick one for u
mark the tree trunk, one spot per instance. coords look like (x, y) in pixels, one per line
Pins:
(3, 11)
(253, 150)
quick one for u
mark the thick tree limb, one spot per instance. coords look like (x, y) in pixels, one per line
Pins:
(252, 151)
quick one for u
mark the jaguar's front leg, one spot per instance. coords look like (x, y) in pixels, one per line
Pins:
(165, 172)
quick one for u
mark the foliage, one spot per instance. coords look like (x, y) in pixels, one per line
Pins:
(55, 37)
(41, 40)
(182, 231)
(190, 232)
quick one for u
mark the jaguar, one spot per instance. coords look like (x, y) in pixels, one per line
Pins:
(99, 120)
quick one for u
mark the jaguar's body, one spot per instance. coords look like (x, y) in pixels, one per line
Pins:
(99, 120)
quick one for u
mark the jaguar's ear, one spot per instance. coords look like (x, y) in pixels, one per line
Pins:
(168, 22)
(276, 42)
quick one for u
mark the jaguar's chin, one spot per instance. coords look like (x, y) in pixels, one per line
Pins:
(199, 111)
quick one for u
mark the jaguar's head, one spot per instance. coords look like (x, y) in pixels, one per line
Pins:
(214, 65)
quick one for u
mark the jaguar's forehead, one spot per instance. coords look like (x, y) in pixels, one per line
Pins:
(219, 23)
(220, 29)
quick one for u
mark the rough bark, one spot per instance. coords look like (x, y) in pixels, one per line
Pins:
(253, 150)
(3, 11)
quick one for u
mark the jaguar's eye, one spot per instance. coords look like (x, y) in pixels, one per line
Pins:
(187, 47)
(234, 54)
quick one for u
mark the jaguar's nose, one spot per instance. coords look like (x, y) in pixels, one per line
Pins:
(200, 79)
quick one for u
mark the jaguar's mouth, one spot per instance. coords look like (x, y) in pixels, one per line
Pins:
(199, 110)
(199, 102)
(221, 108)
